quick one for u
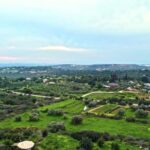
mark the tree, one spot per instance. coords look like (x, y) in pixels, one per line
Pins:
(77, 120)
(100, 142)
(44, 133)
(115, 146)
(27, 91)
(145, 79)
(86, 143)
(18, 118)
(34, 116)
(56, 127)
(140, 113)
(121, 113)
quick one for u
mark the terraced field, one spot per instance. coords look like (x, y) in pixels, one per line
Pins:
(89, 123)
(105, 109)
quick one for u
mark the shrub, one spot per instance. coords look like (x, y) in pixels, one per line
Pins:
(94, 136)
(100, 142)
(92, 104)
(18, 118)
(44, 111)
(140, 113)
(115, 146)
(56, 127)
(86, 143)
(121, 113)
(65, 117)
(130, 119)
(34, 117)
(76, 120)
(44, 133)
(106, 136)
(55, 112)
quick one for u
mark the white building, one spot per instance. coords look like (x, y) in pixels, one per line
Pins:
(147, 86)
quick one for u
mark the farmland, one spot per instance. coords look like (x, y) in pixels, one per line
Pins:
(67, 115)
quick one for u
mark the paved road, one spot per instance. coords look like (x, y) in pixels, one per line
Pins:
(33, 95)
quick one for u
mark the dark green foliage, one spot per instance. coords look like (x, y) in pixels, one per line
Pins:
(18, 118)
(56, 127)
(44, 133)
(121, 113)
(130, 119)
(55, 112)
(140, 113)
(27, 91)
(86, 143)
(94, 136)
(76, 120)
(100, 142)
(34, 116)
(115, 146)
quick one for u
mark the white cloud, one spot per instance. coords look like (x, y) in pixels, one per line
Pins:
(62, 48)
(8, 58)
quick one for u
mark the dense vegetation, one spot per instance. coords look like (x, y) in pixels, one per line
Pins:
(61, 109)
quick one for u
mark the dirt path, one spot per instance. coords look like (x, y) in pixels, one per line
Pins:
(97, 92)
(33, 95)
(91, 110)
(105, 92)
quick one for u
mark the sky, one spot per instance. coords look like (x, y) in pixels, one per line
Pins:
(75, 31)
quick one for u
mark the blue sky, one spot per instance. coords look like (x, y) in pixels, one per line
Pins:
(75, 31)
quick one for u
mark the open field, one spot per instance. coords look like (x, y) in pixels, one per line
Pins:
(90, 123)
(57, 142)
(124, 95)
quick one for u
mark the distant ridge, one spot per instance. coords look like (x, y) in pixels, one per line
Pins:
(97, 67)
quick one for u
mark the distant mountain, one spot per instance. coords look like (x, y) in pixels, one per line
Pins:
(102, 67)
(98, 67)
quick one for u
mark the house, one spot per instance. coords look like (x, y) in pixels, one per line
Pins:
(131, 89)
(52, 83)
(113, 85)
(147, 86)
(28, 79)
(45, 80)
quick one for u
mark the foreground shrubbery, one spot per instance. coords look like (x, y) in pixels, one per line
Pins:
(55, 113)
(34, 116)
(140, 113)
(56, 127)
(76, 120)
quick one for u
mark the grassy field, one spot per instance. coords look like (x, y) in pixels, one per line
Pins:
(112, 95)
(105, 109)
(90, 123)
(58, 142)
(117, 95)
(63, 142)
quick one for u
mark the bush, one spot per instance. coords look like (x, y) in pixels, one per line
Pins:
(44, 133)
(140, 113)
(55, 112)
(94, 136)
(121, 113)
(65, 117)
(76, 120)
(34, 117)
(44, 111)
(86, 144)
(106, 136)
(115, 146)
(100, 142)
(130, 119)
(18, 118)
(92, 104)
(56, 127)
